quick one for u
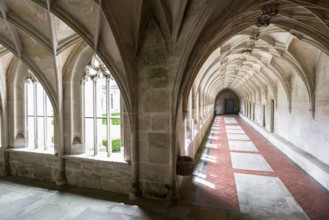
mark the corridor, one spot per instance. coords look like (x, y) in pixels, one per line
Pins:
(239, 170)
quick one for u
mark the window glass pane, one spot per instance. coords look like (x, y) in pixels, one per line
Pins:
(41, 133)
(101, 97)
(115, 99)
(40, 99)
(89, 134)
(42, 129)
(29, 96)
(88, 98)
(30, 131)
(115, 135)
(50, 111)
(50, 132)
(101, 135)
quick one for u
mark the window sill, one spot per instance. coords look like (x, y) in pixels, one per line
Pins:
(30, 150)
(115, 157)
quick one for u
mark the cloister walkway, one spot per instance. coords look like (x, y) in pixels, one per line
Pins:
(240, 170)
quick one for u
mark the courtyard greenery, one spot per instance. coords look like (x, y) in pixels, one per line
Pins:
(115, 145)
(113, 121)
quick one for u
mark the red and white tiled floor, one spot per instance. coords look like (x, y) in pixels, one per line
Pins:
(240, 170)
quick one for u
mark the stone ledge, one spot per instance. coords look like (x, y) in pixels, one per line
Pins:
(311, 165)
(29, 151)
(79, 157)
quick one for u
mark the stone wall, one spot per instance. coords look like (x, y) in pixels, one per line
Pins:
(1, 162)
(90, 173)
(305, 129)
(300, 127)
(97, 174)
(33, 165)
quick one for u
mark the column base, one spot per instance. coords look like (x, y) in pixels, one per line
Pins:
(61, 179)
(6, 172)
(61, 182)
(6, 167)
(135, 192)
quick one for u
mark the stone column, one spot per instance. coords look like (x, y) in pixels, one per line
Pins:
(5, 169)
(134, 192)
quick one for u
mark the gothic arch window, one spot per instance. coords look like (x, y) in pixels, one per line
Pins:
(39, 116)
(101, 110)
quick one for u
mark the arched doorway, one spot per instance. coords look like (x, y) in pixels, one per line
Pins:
(227, 102)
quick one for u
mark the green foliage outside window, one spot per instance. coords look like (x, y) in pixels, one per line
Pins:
(104, 143)
(115, 145)
(104, 120)
(114, 121)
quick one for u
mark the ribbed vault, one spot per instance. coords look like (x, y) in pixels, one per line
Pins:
(251, 59)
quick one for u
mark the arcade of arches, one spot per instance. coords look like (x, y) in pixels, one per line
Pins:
(157, 73)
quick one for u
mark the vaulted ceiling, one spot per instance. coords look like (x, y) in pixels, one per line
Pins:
(219, 44)
(253, 46)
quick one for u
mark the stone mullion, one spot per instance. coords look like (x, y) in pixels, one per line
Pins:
(45, 120)
(35, 111)
(83, 137)
(108, 116)
(26, 110)
(95, 116)
(185, 134)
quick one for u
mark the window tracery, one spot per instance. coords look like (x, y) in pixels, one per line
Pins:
(101, 110)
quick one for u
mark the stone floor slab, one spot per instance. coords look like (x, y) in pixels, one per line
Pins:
(237, 137)
(230, 121)
(266, 197)
(248, 161)
(235, 131)
(242, 145)
(233, 127)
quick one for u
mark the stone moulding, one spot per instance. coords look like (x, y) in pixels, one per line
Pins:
(254, 36)
(265, 17)
(185, 166)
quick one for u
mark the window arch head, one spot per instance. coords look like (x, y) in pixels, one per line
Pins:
(97, 70)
